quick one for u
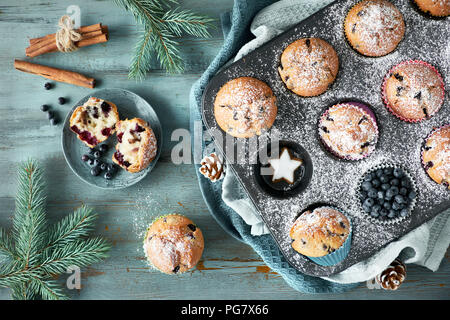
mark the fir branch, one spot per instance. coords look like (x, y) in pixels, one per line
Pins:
(71, 228)
(7, 250)
(160, 26)
(34, 254)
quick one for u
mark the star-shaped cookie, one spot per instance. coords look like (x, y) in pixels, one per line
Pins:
(284, 167)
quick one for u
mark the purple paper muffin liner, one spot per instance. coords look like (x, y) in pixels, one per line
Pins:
(365, 110)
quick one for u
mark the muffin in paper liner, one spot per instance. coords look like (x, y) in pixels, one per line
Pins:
(370, 115)
(424, 163)
(150, 263)
(339, 254)
(392, 71)
(440, 10)
(386, 221)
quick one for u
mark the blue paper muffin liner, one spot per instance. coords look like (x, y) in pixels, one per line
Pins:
(338, 255)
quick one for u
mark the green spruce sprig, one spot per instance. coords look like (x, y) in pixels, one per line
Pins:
(161, 25)
(33, 253)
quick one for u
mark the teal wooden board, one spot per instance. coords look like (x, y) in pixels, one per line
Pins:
(228, 269)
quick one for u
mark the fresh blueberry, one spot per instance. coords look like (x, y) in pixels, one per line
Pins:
(405, 183)
(399, 198)
(103, 166)
(376, 208)
(398, 173)
(369, 202)
(395, 182)
(61, 100)
(388, 171)
(97, 154)
(50, 115)
(368, 177)
(108, 175)
(372, 193)
(384, 179)
(394, 189)
(380, 195)
(404, 212)
(97, 163)
(376, 183)
(392, 214)
(44, 107)
(384, 212)
(412, 195)
(111, 168)
(91, 162)
(47, 86)
(403, 191)
(53, 121)
(95, 171)
(103, 147)
(396, 206)
(85, 157)
(374, 214)
(385, 186)
(387, 205)
(379, 172)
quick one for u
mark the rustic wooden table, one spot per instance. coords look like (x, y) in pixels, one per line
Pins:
(229, 269)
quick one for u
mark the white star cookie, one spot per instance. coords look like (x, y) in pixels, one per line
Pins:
(284, 167)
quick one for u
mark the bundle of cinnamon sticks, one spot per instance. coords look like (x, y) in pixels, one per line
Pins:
(93, 34)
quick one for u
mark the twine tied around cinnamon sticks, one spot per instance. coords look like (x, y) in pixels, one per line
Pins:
(66, 35)
(89, 35)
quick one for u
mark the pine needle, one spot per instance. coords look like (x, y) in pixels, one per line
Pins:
(160, 26)
(35, 253)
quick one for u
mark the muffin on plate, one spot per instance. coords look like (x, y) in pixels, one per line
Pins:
(349, 130)
(436, 155)
(374, 28)
(173, 244)
(323, 235)
(245, 107)
(309, 66)
(437, 8)
(413, 91)
(94, 121)
(136, 145)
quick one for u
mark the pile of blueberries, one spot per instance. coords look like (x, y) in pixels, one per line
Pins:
(93, 159)
(387, 193)
(45, 108)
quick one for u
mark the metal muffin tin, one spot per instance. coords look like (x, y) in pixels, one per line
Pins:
(334, 181)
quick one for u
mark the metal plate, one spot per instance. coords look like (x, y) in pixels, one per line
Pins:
(129, 105)
(335, 181)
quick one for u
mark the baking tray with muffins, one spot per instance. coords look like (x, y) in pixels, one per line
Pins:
(355, 95)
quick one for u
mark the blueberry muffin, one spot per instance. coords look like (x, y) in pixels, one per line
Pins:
(319, 232)
(436, 155)
(245, 107)
(413, 91)
(349, 130)
(173, 244)
(438, 8)
(136, 145)
(94, 121)
(309, 66)
(374, 28)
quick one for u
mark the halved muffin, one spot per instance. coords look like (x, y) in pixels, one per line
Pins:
(136, 145)
(94, 121)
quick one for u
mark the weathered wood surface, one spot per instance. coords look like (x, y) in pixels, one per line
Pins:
(229, 269)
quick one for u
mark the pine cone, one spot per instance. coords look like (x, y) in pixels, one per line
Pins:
(393, 276)
(212, 167)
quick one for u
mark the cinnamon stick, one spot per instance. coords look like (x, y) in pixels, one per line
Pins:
(92, 35)
(56, 74)
(83, 29)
